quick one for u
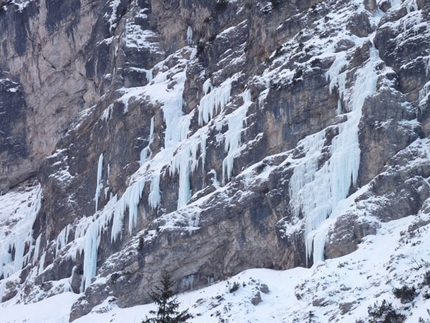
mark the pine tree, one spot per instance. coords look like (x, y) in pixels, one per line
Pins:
(167, 304)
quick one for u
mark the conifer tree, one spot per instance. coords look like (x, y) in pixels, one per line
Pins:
(167, 304)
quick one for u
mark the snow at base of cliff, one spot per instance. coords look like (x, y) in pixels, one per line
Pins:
(338, 290)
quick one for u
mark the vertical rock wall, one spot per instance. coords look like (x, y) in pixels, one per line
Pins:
(43, 50)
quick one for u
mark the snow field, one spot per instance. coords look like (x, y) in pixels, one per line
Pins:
(338, 290)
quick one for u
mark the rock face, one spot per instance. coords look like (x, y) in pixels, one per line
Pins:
(205, 138)
(42, 50)
(13, 135)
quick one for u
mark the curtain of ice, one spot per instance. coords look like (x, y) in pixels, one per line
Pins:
(214, 100)
(62, 239)
(129, 201)
(17, 249)
(180, 154)
(314, 190)
(92, 241)
(182, 163)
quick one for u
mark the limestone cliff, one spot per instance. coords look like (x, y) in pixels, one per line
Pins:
(204, 138)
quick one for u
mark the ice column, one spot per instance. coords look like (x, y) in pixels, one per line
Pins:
(92, 241)
(189, 35)
(181, 164)
(233, 135)
(149, 75)
(154, 196)
(146, 152)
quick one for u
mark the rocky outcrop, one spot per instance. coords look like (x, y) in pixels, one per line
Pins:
(207, 138)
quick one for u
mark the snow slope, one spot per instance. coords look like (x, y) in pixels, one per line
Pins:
(339, 290)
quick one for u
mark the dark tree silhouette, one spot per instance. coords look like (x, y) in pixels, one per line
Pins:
(167, 304)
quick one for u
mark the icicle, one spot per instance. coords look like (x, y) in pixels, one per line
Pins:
(41, 267)
(92, 241)
(92, 236)
(339, 106)
(214, 99)
(186, 161)
(338, 79)
(129, 200)
(187, 282)
(145, 155)
(411, 5)
(423, 97)
(146, 152)
(189, 35)
(151, 130)
(62, 239)
(181, 164)
(117, 222)
(177, 127)
(427, 63)
(203, 150)
(19, 255)
(232, 136)
(107, 113)
(99, 184)
(207, 86)
(154, 196)
(215, 181)
(149, 76)
(37, 248)
(133, 197)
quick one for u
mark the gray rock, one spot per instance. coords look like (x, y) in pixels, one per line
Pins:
(360, 25)
(347, 234)
(256, 299)
(346, 307)
(370, 5)
(264, 288)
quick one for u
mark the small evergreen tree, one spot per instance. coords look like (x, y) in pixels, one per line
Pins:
(167, 304)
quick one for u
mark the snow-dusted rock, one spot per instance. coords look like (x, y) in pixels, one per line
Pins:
(207, 138)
